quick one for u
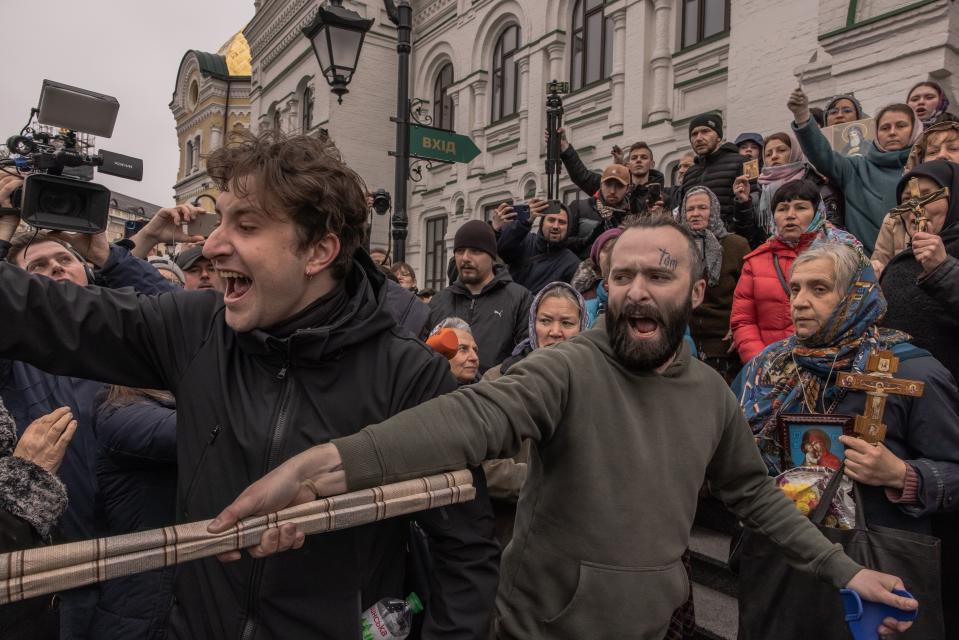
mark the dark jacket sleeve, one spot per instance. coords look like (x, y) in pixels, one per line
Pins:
(579, 174)
(933, 438)
(100, 334)
(511, 244)
(138, 435)
(123, 269)
(943, 284)
(463, 548)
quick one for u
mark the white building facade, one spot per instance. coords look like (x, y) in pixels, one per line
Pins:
(640, 70)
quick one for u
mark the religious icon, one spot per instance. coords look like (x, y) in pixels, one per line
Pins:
(751, 169)
(878, 383)
(851, 138)
(812, 440)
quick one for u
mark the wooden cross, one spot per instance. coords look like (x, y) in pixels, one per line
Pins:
(916, 204)
(878, 383)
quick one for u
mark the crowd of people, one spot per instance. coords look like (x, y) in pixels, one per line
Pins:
(278, 360)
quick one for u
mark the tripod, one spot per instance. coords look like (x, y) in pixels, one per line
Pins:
(554, 120)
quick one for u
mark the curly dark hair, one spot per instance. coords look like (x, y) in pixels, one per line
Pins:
(303, 177)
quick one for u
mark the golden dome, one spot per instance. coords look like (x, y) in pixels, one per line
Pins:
(237, 54)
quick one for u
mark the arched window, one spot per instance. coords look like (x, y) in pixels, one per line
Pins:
(442, 100)
(703, 19)
(276, 121)
(505, 74)
(591, 58)
(436, 258)
(189, 156)
(529, 190)
(308, 100)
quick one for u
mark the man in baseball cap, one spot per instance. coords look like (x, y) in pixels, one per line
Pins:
(197, 270)
(484, 295)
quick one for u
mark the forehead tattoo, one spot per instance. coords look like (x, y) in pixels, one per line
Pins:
(666, 260)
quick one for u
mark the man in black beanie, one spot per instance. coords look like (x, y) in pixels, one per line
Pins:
(717, 165)
(484, 295)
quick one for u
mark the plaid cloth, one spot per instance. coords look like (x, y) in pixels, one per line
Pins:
(42, 570)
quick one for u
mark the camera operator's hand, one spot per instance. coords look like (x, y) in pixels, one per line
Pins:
(537, 207)
(798, 103)
(45, 441)
(616, 153)
(166, 225)
(503, 214)
(94, 247)
(563, 142)
(658, 208)
(8, 222)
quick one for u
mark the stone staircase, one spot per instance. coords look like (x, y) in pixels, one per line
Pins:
(714, 585)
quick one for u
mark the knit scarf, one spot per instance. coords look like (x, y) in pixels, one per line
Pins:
(708, 238)
(792, 375)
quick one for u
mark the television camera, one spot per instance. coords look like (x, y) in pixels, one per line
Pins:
(57, 192)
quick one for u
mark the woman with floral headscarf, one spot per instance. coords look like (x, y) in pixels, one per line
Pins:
(760, 313)
(837, 306)
(722, 254)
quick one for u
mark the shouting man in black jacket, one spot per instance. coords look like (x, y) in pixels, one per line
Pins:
(298, 349)
(717, 165)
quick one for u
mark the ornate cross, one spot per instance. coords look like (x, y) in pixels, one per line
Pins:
(878, 383)
(916, 204)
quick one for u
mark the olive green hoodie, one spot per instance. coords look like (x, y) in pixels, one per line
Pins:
(618, 460)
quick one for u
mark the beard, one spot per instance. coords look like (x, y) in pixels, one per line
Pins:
(646, 355)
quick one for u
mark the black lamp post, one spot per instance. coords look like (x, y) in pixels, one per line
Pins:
(337, 35)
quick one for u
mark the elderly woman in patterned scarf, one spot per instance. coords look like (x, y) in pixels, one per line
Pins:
(837, 306)
(722, 254)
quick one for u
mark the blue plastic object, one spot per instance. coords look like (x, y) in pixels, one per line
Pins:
(864, 617)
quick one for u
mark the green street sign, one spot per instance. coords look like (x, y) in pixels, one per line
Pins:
(438, 144)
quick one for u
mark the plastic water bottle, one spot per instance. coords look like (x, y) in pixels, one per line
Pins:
(390, 619)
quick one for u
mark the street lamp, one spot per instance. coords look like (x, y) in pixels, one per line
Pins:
(337, 35)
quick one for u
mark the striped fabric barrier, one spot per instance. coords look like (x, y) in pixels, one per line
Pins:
(43, 570)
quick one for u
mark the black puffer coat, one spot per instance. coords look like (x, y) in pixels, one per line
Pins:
(718, 171)
(498, 315)
(246, 402)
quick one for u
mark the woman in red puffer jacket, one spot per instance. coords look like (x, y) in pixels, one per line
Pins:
(760, 314)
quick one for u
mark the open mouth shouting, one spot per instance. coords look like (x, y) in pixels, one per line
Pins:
(642, 327)
(236, 285)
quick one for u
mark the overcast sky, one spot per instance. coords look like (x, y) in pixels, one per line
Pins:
(127, 49)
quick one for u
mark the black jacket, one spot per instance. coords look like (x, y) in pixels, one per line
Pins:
(718, 171)
(498, 316)
(409, 311)
(136, 491)
(247, 402)
(927, 307)
(533, 261)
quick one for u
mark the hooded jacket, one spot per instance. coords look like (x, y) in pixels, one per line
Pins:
(583, 552)
(533, 260)
(247, 402)
(717, 170)
(868, 182)
(498, 315)
(136, 478)
(760, 314)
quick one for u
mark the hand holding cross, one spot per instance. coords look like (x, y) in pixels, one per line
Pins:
(878, 383)
(916, 204)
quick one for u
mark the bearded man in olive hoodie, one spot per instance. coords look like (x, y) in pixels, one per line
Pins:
(619, 456)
